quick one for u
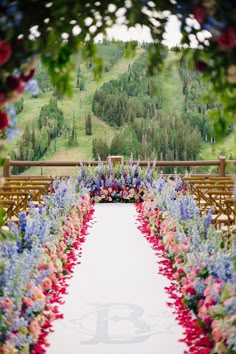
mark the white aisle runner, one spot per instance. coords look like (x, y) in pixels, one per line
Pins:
(116, 302)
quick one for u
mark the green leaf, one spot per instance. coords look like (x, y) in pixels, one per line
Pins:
(222, 245)
(2, 215)
(203, 273)
(2, 161)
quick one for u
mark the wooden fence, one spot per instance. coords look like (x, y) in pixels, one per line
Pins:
(221, 163)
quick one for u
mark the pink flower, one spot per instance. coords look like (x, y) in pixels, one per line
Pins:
(199, 13)
(184, 281)
(34, 328)
(52, 316)
(6, 303)
(209, 279)
(5, 51)
(178, 260)
(52, 256)
(46, 284)
(186, 248)
(217, 334)
(207, 291)
(217, 288)
(51, 267)
(209, 301)
(53, 277)
(200, 303)
(3, 120)
(37, 293)
(202, 312)
(27, 301)
(214, 324)
(227, 38)
(207, 319)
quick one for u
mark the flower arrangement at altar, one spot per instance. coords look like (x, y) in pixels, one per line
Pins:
(120, 183)
(200, 262)
(35, 264)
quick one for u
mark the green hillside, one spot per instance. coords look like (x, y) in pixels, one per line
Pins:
(78, 106)
(169, 123)
(226, 147)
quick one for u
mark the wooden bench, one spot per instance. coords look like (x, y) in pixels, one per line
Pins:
(18, 191)
(35, 192)
(202, 197)
(217, 200)
(18, 201)
(216, 192)
(44, 185)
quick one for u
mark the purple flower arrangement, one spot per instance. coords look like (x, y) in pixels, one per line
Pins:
(124, 183)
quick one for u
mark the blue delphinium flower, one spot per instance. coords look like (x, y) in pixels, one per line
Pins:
(199, 286)
(22, 221)
(207, 222)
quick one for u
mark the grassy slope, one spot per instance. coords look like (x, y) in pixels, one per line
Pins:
(226, 147)
(80, 104)
(172, 88)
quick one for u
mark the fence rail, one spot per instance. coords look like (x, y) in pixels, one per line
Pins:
(220, 163)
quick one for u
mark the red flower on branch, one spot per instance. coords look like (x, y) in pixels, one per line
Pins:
(3, 120)
(5, 51)
(227, 39)
(201, 66)
(199, 13)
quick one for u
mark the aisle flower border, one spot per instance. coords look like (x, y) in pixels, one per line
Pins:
(194, 336)
(201, 271)
(170, 221)
(49, 237)
(59, 286)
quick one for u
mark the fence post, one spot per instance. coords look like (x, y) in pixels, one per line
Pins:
(6, 167)
(222, 166)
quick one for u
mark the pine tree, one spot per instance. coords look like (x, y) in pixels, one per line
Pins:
(88, 124)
